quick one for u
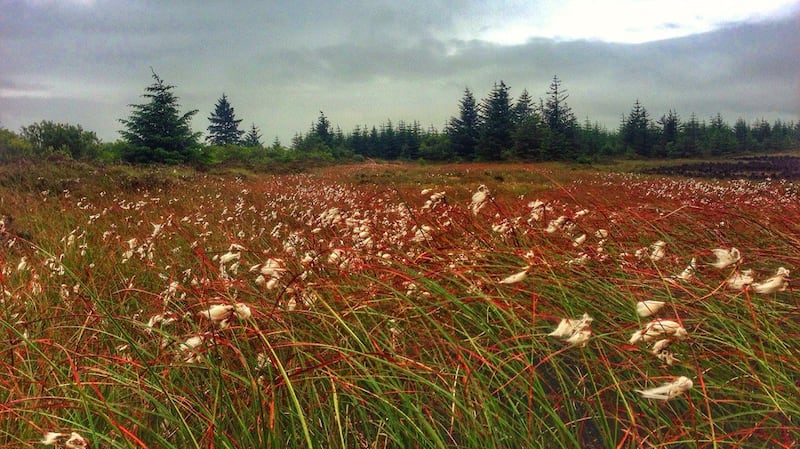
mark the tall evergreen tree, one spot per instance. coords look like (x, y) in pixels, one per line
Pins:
(253, 137)
(497, 124)
(742, 133)
(593, 138)
(523, 108)
(636, 131)
(691, 137)
(529, 137)
(562, 123)
(224, 127)
(322, 130)
(465, 129)
(720, 138)
(670, 126)
(156, 130)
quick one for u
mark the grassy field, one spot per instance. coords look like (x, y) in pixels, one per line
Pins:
(396, 306)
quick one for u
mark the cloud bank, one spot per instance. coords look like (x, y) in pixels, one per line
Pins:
(365, 62)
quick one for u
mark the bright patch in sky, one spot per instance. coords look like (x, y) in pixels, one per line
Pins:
(627, 21)
(9, 92)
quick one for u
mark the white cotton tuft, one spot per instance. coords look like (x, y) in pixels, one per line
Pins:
(725, 257)
(516, 277)
(669, 390)
(576, 331)
(648, 307)
(777, 283)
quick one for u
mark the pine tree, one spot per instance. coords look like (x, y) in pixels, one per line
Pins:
(252, 138)
(224, 128)
(497, 124)
(157, 132)
(465, 130)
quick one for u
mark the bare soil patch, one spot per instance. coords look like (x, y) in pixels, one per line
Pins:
(744, 167)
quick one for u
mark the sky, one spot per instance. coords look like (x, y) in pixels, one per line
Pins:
(364, 62)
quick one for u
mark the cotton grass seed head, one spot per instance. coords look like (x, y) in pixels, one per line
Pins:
(740, 279)
(217, 312)
(725, 257)
(648, 307)
(659, 328)
(777, 283)
(575, 331)
(516, 277)
(72, 441)
(668, 390)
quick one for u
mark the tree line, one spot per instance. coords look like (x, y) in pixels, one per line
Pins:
(496, 128)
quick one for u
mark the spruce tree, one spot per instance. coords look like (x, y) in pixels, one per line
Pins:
(741, 130)
(224, 128)
(529, 137)
(636, 131)
(670, 126)
(523, 109)
(157, 132)
(276, 145)
(562, 123)
(465, 129)
(720, 137)
(252, 138)
(497, 124)
(322, 130)
(691, 137)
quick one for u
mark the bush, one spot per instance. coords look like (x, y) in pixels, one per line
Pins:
(13, 147)
(47, 137)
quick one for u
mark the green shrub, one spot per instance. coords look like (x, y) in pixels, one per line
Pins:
(13, 147)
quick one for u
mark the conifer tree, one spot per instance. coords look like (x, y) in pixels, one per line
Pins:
(691, 137)
(322, 130)
(523, 109)
(156, 131)
(224, 127)
(497, 124)
(636, 130)
(529, 137)
(670, 126)
(464, 130)
(529, 133)
(253, 137)
(276, 145)
(562, 123)
(741, 130)
(720, 137)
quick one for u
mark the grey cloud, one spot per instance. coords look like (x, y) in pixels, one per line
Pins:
(364, 62)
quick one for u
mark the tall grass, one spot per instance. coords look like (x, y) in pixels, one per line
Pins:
(386, 325)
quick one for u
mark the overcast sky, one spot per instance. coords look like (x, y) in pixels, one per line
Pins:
(363, 62)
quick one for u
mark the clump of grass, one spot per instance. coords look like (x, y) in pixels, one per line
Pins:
(380, 321)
